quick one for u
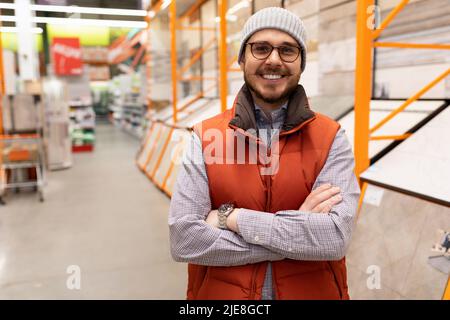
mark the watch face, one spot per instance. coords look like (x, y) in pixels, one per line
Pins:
(224, 210)
(225, 207)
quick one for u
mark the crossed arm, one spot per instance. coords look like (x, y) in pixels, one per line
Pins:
(320, 230)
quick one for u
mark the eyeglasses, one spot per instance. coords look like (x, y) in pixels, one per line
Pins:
(262, 50)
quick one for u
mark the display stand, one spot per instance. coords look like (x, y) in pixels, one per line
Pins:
(81, 113)
(56, 125)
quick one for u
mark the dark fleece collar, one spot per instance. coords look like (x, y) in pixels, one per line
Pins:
(298, 110)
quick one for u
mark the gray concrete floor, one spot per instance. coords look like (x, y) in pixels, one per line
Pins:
(396, 238)
(103, 216)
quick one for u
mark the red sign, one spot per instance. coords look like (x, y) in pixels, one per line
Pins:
(67, 56)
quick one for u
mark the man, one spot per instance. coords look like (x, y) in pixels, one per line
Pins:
(266, 229)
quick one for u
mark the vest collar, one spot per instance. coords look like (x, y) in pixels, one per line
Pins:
(298, 110)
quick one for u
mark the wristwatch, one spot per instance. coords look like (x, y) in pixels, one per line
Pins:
(224, 211)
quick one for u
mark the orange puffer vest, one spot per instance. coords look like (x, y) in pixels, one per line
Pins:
(304, 143)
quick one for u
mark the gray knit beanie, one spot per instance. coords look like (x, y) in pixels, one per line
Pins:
(275, 18)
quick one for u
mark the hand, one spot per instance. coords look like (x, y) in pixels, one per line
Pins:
(232, 221)
(322, 199)
(213, 218)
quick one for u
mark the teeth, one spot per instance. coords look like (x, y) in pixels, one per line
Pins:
(271, 76)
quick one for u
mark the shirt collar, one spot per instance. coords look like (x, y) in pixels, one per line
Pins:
(284, 106)
(277, 114)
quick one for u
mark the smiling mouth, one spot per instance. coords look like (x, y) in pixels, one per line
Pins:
(271, 76)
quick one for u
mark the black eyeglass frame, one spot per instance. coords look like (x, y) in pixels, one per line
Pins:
(273, 47)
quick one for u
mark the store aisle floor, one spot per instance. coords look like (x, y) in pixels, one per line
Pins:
(101, 217)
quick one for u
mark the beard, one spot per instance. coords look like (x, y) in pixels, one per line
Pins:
(280, 98)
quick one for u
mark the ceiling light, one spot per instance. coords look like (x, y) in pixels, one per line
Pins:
(7, 5)
(91, 22)
(76, 9)
(89, 10)
(229, 18)
(83, 22)
(15, 30)
(240, 5)
(165, 4)
(8, 18)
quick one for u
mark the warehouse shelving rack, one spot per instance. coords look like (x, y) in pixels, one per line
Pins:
(367, 34)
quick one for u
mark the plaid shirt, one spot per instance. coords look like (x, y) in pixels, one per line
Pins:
(262, 236)
(269, 125)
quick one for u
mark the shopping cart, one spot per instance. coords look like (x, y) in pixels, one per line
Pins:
(22, 163)
(22, 157)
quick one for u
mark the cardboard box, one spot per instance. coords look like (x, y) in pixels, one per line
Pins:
(33, 87)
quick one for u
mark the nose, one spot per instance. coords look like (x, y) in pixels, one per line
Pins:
(274, 57)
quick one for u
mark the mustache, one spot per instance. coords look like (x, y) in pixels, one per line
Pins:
(273, 71)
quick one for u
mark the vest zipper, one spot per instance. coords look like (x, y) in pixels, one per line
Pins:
(268, 184)
(269, 198)
(268, 180)
(336, 281)
(253, 284)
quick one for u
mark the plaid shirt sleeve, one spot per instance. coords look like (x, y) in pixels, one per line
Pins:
(191, 238)
(311, 236)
